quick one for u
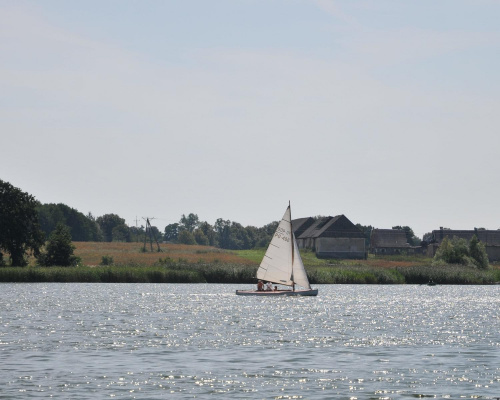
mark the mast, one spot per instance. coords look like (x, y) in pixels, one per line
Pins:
(293, 244)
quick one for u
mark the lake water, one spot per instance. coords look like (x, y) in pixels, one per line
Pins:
(150, 341)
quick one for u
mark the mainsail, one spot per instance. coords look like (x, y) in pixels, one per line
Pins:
(282, 262)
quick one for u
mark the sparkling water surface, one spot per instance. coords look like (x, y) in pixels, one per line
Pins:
(150, 341)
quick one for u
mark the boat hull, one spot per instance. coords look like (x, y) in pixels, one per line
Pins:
(264, 293)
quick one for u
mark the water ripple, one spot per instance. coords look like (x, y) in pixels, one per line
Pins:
(140, 340)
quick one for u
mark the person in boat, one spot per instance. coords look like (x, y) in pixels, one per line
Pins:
(260, 286)
(269, 286)
(276, 288)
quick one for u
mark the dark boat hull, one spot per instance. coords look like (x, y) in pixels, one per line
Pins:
(272, 293)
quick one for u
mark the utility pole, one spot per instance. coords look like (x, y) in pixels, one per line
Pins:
(136, 229)
(151, 234)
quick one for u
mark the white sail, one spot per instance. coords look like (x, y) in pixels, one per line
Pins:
(276, 266)
(282, 262)
(299, 272)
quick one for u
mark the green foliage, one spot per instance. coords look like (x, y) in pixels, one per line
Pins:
(186, 237)
(83, 228)
(234, 236)
(200, 237)
(477, 251)
(107, 222)
(238, 237)
(451, 251)
(171, 232)
(59, 249)
(223, 230)
(459, 251)
(189, 223)
(209, 232)
(19, 227)
(107, 260)
(120, 233)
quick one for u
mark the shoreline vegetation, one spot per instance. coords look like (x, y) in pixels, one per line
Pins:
(128, 263)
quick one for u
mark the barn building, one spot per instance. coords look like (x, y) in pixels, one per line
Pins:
(330, 237)
(389, 241)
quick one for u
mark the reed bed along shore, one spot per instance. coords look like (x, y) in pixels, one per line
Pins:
(180, 272)
(201, 264)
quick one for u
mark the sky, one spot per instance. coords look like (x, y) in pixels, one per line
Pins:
(385, 111)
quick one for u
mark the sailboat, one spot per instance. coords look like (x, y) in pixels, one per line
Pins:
(282, 264)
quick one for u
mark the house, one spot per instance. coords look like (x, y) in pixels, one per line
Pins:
(389, 241)
(330, 237)
(490, 238)
(300, 225)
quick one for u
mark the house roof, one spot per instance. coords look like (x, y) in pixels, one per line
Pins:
(388, 238)
(338, 226)
(301, 224)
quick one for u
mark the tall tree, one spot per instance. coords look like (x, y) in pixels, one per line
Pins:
(200, 237)
(120, 233)
(477, 251)
(265, 234)
(209, 232)
(19, 228)
(233, 236)
(83, 228)
(107, 222)
(189, 223)
(223, 230)
(171, 232)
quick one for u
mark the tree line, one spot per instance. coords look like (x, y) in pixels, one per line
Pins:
(26, 224)
(190, 229)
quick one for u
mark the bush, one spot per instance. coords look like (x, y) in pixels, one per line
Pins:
(186, 237)
(107, 260)
(59, 249)
(459, 251)
(477, 251)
